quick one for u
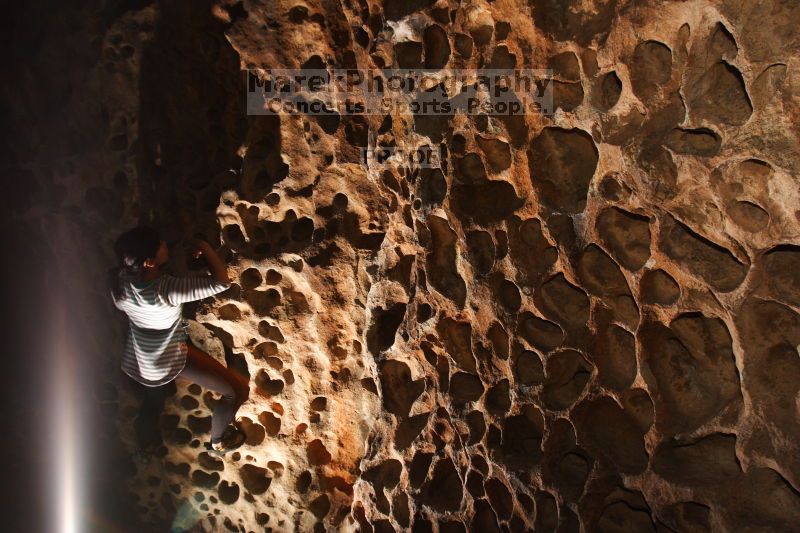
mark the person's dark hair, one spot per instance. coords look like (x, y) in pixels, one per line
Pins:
(131, 249)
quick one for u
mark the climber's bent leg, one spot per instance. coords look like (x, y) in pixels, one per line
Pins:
(207, 372)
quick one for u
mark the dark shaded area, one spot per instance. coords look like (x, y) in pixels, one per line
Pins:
(196, 143)
(45, 50)
(64, 332)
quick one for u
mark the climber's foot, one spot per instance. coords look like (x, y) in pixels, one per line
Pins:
(232, 438)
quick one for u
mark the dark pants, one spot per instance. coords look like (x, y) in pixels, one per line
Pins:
(204, 370)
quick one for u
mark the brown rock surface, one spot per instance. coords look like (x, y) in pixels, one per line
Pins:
(582, 322)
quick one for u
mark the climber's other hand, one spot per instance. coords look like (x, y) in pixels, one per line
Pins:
(197, 247)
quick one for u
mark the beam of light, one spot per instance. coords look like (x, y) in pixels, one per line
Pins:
(65, 421)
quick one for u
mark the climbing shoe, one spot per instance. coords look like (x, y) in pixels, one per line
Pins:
(232, 438)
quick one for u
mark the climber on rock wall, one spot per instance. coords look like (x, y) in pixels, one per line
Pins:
(158, 348)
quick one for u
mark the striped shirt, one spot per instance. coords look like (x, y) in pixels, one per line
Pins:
(156, 345)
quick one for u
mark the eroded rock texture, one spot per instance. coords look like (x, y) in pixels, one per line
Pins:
(580, 322)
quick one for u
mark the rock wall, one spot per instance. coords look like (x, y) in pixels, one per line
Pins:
(587, 321)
